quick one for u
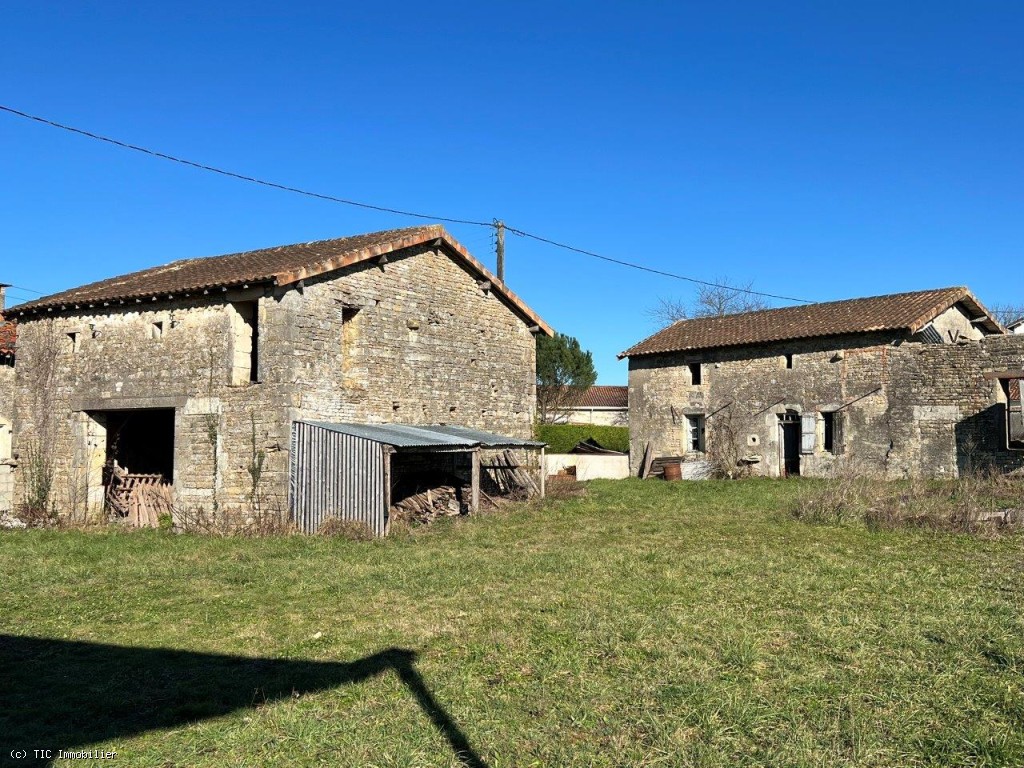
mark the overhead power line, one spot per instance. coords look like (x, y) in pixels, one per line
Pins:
(233, 175)
(494, 225)
(652, 270)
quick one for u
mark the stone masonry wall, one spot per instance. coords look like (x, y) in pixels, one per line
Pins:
(901, 408)
(745, 389)
(117, 361)
(414, 341)
(7, 463)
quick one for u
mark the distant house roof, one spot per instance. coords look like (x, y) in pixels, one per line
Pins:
(896, 311)
(1015, 324)
(602, 396)
(283, 265)
(8, 336)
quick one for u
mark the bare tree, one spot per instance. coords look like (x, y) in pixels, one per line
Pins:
(710, 301)
(1007, 313)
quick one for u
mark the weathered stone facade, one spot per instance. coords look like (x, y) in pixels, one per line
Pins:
(887, 401)
(414, 340)
(7, 463)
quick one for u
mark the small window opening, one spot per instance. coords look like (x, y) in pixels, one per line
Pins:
(695, 431)
(156, 330)
(695, 377)
(1014, 413)
(75, 340)
(245, 343)
(789, 360)
(348, 328)
(828, 439)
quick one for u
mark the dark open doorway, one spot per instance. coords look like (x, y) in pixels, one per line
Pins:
(789, 441)
(142, 441)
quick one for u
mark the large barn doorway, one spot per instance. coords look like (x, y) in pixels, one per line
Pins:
(789, 443)
(138, 470)
(142, 441)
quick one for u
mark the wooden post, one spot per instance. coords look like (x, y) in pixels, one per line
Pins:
(543, 472)
(499, 228)
(474, 504)
(387, 450)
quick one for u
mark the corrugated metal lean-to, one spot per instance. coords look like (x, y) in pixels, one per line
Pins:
(344, 470)
(337, 475)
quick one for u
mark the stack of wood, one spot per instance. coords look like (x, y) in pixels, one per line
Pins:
(430, 504)
(139, 499)
(508, 476)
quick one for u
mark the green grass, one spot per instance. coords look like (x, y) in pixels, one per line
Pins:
(562, 438)
(647, 624)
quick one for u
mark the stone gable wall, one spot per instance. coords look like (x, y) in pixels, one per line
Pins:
(414, 341)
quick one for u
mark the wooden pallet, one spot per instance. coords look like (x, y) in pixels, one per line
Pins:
(140, 499)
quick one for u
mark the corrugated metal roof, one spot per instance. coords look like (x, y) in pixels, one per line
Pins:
(435, 436)
(487, 439)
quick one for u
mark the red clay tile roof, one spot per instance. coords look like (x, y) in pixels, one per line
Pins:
(896, 311)
(283, 265)
(8, 336)
(601, 396)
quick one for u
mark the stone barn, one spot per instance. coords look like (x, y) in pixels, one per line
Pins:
(195, 372)
(914, 384)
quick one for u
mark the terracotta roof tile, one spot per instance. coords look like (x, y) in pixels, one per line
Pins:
(897, 311)
(601, 396)
(282, 265)
(8, 337)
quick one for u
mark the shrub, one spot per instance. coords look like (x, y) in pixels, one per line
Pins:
(975, 503)
(561, 438)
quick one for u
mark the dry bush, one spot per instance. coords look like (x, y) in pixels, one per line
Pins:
(234, 521)
(726, 443)
(980, 503)
(562, 487)
(353, 530)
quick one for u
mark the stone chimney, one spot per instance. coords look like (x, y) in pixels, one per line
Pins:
(3, 295)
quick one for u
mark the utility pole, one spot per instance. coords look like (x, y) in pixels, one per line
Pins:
(499, 229)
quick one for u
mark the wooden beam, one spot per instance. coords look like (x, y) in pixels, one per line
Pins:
(474, 504)
(1018, 374)
(543, 473)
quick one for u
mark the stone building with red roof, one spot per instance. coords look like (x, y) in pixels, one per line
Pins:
(600, 404)
(194, 373)
(922, 383)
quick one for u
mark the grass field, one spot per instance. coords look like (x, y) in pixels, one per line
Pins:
(647, 624)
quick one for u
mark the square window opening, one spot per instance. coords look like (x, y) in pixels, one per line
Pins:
(695, 374)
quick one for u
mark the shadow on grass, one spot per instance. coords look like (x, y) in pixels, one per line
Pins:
(65, 695)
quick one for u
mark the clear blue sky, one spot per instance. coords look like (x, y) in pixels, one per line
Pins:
(823, 150)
